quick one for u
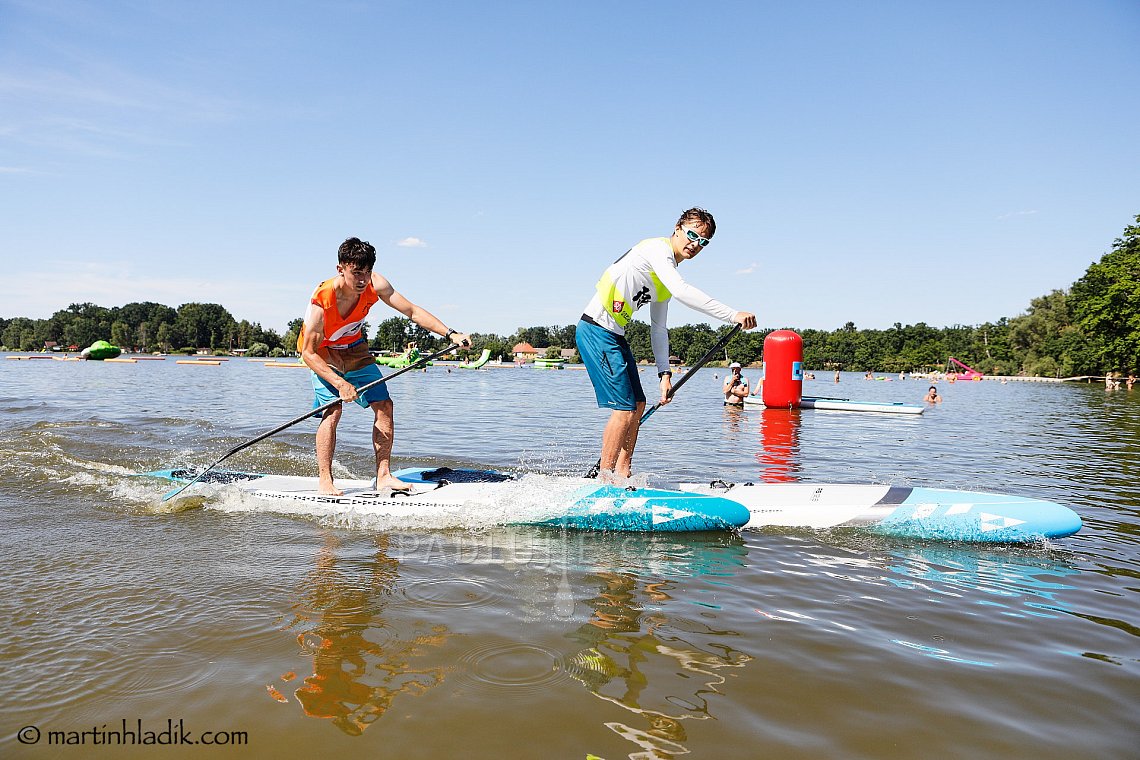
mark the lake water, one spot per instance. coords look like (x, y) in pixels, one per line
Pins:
(313, 638)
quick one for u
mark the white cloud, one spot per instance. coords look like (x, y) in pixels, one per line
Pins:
(411, 242)
(748, 269)
(1017, 213)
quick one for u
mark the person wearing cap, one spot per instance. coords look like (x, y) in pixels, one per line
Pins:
(735, 386)
(646, 275)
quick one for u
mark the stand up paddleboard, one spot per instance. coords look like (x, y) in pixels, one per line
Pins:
(922, 513)
(561, 502)
(847, 405)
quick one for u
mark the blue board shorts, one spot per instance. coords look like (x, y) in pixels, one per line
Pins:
(324, 393)
(611, 367)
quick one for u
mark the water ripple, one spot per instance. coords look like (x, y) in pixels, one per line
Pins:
(511, 670)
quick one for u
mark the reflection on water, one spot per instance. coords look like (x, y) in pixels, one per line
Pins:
(1018, 584)
(936, 582)
(360, 663)
(779, 445)
(771, 436)
(653, 663)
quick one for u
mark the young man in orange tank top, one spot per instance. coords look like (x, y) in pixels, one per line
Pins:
(332, 345)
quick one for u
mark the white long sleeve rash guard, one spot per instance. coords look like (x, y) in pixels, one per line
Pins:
(647, 274)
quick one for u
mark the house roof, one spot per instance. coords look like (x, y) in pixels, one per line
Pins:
(523, 348)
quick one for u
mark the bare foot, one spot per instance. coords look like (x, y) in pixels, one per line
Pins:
(624, 480)
(328, 489)
(392, 483)
(609, 477)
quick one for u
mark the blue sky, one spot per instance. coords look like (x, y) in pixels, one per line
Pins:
(870, 162)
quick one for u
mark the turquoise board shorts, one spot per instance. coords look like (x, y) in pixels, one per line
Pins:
(611, 367)
(324, 393)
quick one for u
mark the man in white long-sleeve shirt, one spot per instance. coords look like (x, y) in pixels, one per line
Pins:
(646, 274)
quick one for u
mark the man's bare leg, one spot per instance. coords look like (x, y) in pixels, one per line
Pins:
(624, 464)
(326, 445)
(618, 440)
(383, 430)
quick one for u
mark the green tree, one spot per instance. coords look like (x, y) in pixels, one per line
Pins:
(392, 335)
(121, 335)
(205, 325)
(244, 334)
(1041, 332)
(499, 348)
(83, 331)
(1105, 304)
(563, 336)
(637, 334)
(20, 335)
(840, 347)
(745, 347)
(268, 336)
(289, 339)
(163, 336)
(539, 337)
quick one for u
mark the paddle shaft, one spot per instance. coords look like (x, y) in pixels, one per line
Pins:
(319, 410)
(593, 473)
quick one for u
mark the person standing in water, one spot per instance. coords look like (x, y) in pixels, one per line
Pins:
(332, 345)
(735, 386)
(645, 275)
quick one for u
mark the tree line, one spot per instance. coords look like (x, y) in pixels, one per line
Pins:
(1091, 328)
(142, 327)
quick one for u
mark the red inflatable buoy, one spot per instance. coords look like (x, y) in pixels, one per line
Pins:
(783, 370)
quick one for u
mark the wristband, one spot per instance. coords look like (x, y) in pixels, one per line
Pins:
(449, 333)
(663, 374)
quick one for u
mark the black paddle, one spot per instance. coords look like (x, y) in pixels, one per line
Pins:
(593, 473)
(319, 410)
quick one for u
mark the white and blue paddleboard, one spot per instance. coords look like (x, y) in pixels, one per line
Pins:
(531, 500)
(847, 405)
(922, 513)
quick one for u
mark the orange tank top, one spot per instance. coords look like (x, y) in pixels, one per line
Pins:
(340, 331)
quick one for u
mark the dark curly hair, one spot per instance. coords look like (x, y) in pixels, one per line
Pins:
(697, 215)
(357, 252)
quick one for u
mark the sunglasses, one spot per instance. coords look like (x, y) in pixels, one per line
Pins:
(694, 237)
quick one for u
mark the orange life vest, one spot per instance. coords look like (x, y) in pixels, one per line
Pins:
(340, 331)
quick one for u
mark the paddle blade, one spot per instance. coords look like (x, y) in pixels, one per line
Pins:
(175, 491)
